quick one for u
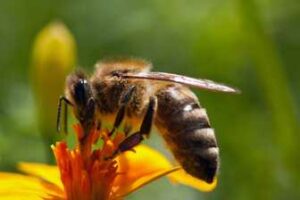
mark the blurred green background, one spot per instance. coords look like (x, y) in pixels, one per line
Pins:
(253, 45)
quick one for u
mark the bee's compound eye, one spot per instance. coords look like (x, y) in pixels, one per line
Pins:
(82, 92)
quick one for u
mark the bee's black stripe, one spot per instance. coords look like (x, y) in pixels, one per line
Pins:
(186, 128)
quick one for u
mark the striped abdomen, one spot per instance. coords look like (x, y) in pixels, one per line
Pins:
(186, 129)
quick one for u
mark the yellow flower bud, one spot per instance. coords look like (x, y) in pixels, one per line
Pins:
(53, 57)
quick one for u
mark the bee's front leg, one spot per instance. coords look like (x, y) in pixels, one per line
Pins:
(121, 113)
(136, 138)
(66, 102)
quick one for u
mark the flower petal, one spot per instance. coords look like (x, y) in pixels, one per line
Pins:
(140, 168)
(182, 177)
(15, 186)
(46, 172)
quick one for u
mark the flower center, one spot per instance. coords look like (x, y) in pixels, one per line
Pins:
(88, 174)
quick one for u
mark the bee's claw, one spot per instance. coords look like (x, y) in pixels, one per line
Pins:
(133, 150)
(118, 152)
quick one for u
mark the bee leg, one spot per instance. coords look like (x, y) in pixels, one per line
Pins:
(121, 113)
(66, 102)
(136, 138)
(127, 129)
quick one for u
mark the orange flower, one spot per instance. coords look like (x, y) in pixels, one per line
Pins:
(87, 173)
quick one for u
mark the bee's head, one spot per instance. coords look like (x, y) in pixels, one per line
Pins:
(79, 94)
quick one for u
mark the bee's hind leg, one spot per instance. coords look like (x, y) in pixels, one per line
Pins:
(136, 138)
(121, 113)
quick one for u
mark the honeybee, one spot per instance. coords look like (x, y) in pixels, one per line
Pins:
(125, 92)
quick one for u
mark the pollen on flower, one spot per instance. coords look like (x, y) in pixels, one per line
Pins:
(87, 174)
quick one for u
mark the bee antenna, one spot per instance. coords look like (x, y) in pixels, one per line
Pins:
(66, 102)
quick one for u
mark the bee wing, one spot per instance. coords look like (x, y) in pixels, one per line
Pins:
(185, 80)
